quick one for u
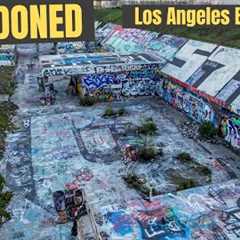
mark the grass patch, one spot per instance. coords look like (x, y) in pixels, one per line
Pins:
(7, 84)
(207, 130)
(227, 37)
(139, 184)
(5, 198)
(7, 111)
(110, 112)
(88, 101)
(184, 157)
(109, 15)
(148, 127)
(200, 169)
(182, 183)
(148, 153)
(91, 100)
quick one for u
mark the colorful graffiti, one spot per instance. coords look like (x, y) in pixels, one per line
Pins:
(105, 32)
(166, 46)
(208, 68)
(195, 107)
(160, 222)
(94, 69)
(139, 87)
(210, 212)
(140, 83)
(7, 59)
(69, 47)
(93, 82)
(129, 41)
(231, 130)
(143, 220)
(133, 83)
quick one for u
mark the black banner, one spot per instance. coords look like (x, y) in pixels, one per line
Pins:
(158, 17)
(46, 21)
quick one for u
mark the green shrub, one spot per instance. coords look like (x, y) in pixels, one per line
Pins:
(110, 112)
(184, 157)
(204, 170)
(5, 198)
(87, 100)
(186, 184)
(147, 153)
(180, 181)
(148, 128)
(121, 112)
(7, 111)
(197, 167)
(139, 184)
(207, 130)
(7, 84)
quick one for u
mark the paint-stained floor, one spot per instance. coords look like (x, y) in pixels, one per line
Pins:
(85, 148)
(67, 143)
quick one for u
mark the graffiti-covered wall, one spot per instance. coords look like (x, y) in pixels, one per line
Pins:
(148, 83)
(202, 71)
(182, 99)
(140, 83)
(96, 82)
(230, 127)
(210, 68)
(132, 83)
(7, 59)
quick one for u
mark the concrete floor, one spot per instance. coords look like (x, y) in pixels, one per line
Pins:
(67, 143)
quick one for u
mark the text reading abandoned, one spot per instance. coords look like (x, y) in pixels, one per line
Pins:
(54, 21)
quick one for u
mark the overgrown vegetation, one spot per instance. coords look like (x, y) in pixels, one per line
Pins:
(109, 15)
(148, 127)
(229, 37)
(191, 163)
(184, 157)
(207, 130)
(184, 183)
(148, 153)
(7, 111)
(110, 112)
(7, 85)
(88, 101)
(5, 198)
(181, 182)
(140, 184)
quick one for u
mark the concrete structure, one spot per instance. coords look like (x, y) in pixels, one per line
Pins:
(66, 145)
(204, 69)
(97, 63)
(199, 78)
